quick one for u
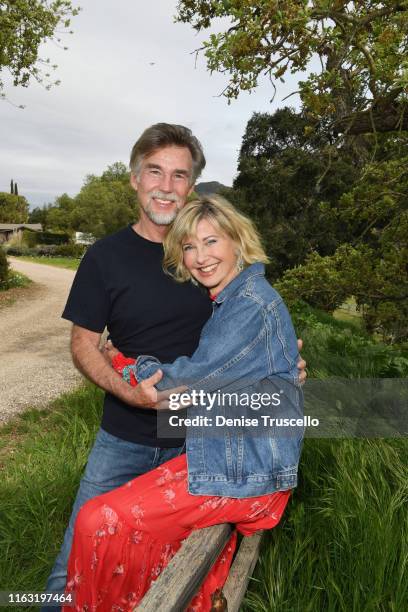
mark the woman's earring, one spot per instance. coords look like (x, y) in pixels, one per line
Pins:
(240, 262)
(193, 280)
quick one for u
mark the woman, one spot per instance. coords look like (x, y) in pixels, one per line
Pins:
(239, 474)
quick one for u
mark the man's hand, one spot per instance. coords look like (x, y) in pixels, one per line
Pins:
(90, 362)
(301, 364)
(145, 396)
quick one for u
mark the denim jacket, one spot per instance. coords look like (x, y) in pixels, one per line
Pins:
(247, 347)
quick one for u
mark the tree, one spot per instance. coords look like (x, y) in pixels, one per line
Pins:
(283, 185)
(105, 204)
(24, 26)
(39, 215)
(373, 267)
(58, 216)
(362, 85)
(13, 208)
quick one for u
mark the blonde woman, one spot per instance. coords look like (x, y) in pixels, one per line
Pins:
(238, 472)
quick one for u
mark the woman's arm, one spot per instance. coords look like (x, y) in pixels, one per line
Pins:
(232, 348)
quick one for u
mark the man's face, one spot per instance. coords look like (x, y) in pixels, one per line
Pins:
(164, 183)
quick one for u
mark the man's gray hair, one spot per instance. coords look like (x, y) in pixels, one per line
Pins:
(166, 135)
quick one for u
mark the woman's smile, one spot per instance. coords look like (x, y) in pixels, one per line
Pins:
(210, 256)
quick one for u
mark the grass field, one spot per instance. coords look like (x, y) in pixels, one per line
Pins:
(341, 546)
(60, 262)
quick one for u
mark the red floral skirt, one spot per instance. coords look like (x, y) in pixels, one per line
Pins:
(125, 538)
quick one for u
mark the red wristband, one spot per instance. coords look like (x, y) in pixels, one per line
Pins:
(120, 363)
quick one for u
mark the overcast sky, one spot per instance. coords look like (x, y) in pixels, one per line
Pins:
(110, 92)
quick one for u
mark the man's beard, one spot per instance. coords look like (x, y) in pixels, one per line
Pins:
(165, 218)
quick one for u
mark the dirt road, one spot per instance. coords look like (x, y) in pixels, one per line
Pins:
(35, 363)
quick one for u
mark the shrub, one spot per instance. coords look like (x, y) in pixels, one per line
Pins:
(4, 268)
(70, 250)
(18, 249)
(52, 238)
(48, 250)
(319, 282)
(45, 250)
(30, 238)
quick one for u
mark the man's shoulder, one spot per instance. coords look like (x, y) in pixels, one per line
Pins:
(106, 248)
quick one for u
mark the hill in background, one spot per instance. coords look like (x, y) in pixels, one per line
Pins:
(210, 187)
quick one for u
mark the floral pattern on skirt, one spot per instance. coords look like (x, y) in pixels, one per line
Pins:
(125, 538)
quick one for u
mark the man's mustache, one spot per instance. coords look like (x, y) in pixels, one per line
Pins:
(165, 196)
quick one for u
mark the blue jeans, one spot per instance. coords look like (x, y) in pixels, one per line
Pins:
(111, 463)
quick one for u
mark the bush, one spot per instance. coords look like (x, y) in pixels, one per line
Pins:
(52, 238)
(43, 250)
(4, 268)
(319, 282)
(70, 250)
(48, 250)
(30, 238)
(19, 249)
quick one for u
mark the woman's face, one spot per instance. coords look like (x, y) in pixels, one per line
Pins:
(210, 256)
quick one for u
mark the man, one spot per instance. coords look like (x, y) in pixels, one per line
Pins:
(120, 284)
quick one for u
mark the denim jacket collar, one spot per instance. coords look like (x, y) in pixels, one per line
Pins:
(256, 269)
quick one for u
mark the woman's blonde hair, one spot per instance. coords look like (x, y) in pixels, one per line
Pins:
(222, 215)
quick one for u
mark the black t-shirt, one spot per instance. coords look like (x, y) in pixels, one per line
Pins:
(120, 284)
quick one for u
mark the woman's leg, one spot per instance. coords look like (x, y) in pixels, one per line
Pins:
(124, 539)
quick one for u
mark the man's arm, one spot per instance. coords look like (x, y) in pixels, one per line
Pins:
(301, 364)
(91, 363)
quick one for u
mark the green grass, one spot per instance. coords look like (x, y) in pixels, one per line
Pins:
(42, 455)
(343, 542)
(15, 279)
(341, 546)
(59, 262)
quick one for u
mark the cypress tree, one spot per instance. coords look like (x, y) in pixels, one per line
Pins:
(11, 187)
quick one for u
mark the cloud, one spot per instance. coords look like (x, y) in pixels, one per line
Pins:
(110, 92)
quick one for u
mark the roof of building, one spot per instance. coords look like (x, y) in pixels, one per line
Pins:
(14, 226)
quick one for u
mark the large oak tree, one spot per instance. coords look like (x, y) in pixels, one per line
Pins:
(362, 83)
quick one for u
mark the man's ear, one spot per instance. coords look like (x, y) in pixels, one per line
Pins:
(190, 191)
(133, 181)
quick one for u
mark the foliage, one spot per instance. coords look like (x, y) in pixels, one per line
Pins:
(361, 46)
(33, 239)
(58, 216)
(337, 349)
(288, 185)
(24, 26)
(374, 269)
(13, 208)
(15, 280)
(4, 268)
(29, 238)
(342, 542)
(104, 205)
(39, 215)
(48, 250)
(319, 281)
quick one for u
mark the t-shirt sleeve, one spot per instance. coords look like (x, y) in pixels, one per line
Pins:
(88, 303)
